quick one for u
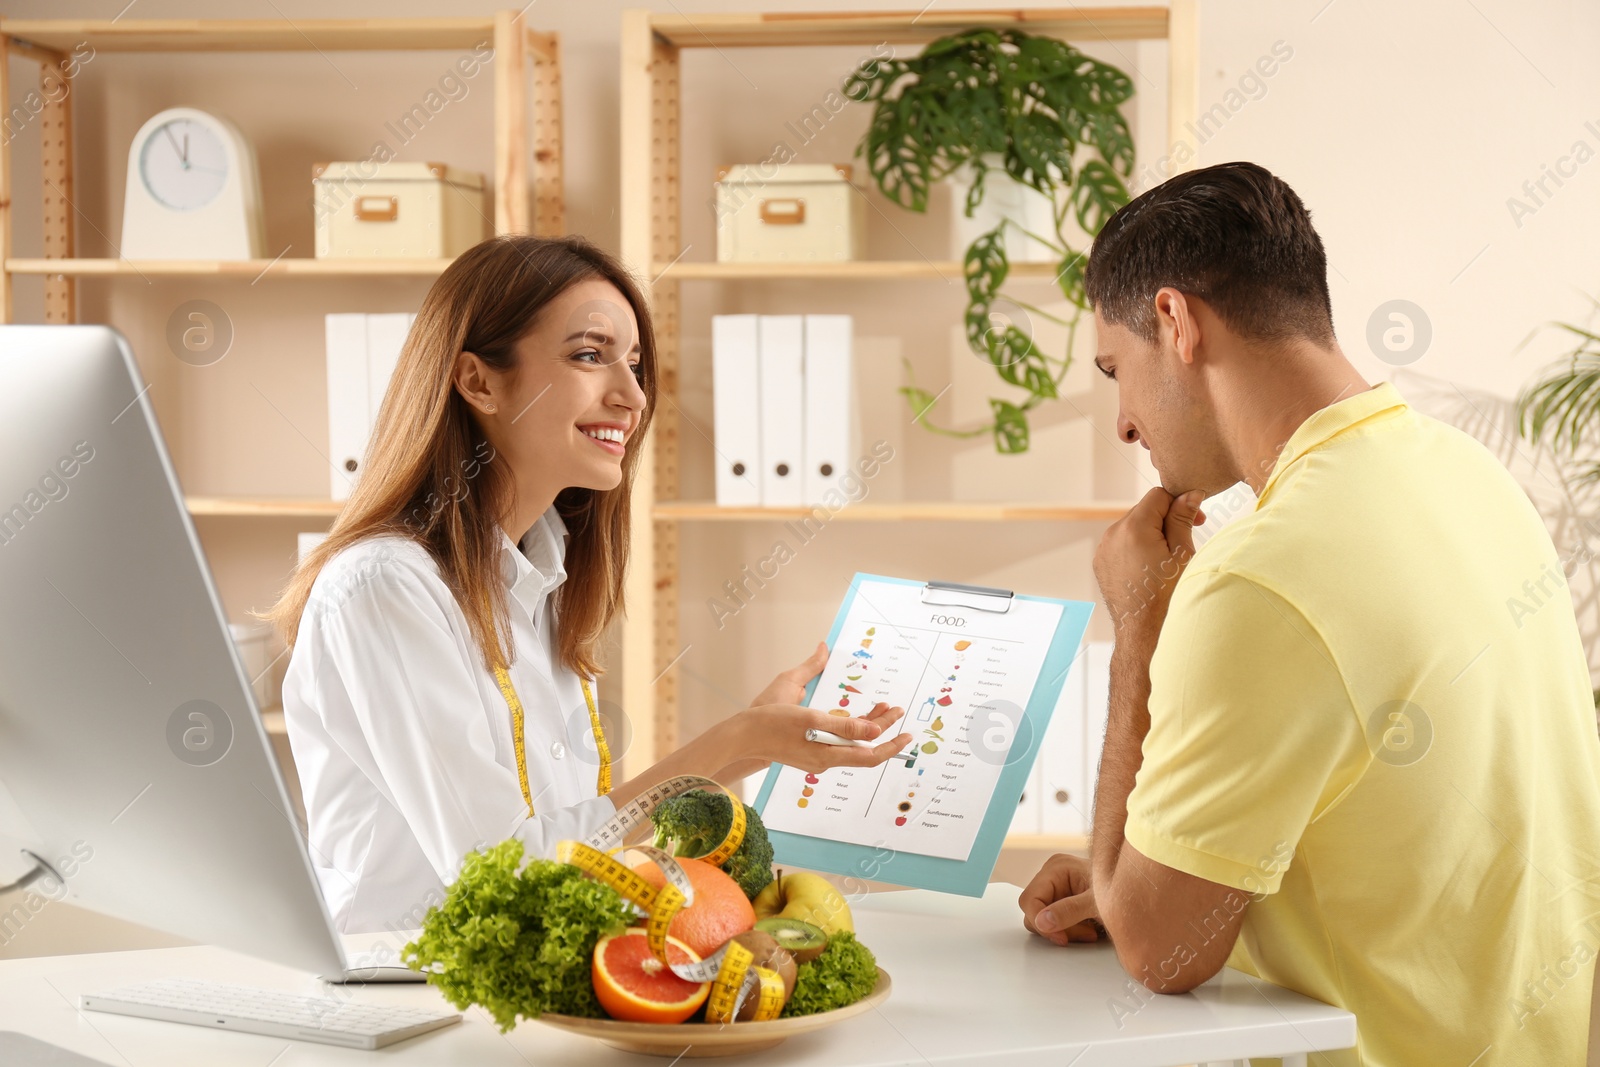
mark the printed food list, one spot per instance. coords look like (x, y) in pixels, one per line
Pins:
(963, 675)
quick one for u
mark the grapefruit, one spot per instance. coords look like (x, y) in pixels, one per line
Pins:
(634, 986)
(720, 909)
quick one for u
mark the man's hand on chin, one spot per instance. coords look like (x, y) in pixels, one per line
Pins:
(1140, 558)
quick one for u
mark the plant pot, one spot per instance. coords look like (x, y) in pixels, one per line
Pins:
(1003, 196)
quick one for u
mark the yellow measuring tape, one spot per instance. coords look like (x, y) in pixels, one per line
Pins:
(519, 743)
(731, 969)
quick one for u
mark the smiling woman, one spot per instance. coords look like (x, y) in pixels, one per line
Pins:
(445, 634)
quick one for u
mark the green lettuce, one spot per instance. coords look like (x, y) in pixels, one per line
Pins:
(518, 940)
(844, 973)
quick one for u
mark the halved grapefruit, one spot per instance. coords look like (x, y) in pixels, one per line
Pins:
(634, 986)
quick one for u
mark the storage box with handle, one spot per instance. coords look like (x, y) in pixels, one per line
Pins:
(793, 212)
(369, 210)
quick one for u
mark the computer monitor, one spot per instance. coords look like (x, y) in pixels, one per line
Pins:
(133, 759)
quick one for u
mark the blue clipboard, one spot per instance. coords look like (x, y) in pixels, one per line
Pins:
(966, 877)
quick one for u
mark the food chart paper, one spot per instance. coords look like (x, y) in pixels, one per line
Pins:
(978, 687)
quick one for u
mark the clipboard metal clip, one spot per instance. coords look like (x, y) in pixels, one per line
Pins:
(977, 597)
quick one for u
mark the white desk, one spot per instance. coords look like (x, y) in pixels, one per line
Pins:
(971, 986)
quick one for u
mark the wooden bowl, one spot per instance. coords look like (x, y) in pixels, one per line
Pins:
(707, 1039)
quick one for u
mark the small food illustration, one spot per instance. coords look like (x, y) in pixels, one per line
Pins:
(962, 646)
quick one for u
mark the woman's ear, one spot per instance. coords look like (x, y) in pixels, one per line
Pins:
(472, 382)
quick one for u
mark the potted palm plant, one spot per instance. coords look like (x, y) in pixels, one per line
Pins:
(1559, 408)
(1040, 112)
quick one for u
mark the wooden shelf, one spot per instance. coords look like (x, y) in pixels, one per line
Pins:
(907, 511)
(263, 507)
(253, 35)
(853, 270)
(527, 132)
(250, 269)
(653, 198)
(1049, 842)
(909, 27)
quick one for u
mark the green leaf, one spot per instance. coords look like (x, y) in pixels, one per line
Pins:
(1036, 142)
(896, 157)
(1098, 195)
(975, 190)
(873, 79)
(1108, 132)
(1070, 278)
(1100, 87)
(985, 266)
(1010, 427)
(920, 400)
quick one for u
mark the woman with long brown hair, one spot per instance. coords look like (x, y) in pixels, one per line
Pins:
(445, 634)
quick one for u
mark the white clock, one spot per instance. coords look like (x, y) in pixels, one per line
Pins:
(193, 190)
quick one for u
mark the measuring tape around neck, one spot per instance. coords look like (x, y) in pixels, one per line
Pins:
(519, 743)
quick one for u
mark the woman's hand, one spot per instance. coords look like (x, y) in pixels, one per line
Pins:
(776, 733)
(789, 687)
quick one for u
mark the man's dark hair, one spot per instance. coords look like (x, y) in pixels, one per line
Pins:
(1234, 235)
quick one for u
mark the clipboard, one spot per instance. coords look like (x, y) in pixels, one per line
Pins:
(915, 830)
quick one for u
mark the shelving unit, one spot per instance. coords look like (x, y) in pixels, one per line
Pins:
(519, 155)
(243, 268)
(652, 111)
(522, 56)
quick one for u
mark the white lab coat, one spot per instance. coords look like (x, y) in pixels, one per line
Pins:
(402, 739)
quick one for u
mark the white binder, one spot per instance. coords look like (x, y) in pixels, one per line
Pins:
(1065, 801)
(349, 422)
(829, 444)
(736, 408)
(1029, 811)
(386, 334)
(362, 353)
(782, 410)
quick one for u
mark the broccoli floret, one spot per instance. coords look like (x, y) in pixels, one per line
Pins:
(844, 973)
(692, 824)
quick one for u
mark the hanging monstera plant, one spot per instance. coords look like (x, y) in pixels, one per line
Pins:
(1051, 117)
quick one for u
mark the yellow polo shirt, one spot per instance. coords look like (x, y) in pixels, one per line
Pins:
(1370, 710)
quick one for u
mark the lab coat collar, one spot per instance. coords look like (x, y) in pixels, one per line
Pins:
(537, 566)
(1326, 423)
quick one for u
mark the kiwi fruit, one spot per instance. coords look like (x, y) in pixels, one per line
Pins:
(769, 954)
(804, 940)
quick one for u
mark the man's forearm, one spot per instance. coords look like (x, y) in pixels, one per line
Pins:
(1127, 722)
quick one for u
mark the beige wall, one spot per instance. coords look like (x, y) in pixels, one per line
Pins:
(1406, 127)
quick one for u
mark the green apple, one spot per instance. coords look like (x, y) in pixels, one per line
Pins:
(808, 897)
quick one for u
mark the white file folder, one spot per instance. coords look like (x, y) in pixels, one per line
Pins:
(386, 334)
(1029, 811)
(1064, 797)
(349, 419)
(782, 410)
(736, 408)
(362, 353)
(830, 406)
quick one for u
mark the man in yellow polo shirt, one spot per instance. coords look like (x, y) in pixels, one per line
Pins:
(1351, 744)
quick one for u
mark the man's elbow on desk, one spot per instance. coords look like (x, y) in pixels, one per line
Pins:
(1172, 931)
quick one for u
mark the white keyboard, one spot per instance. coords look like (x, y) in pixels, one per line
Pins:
(331, 1019)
